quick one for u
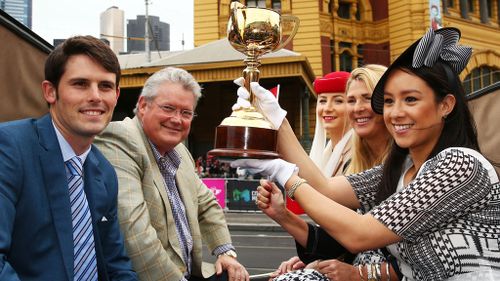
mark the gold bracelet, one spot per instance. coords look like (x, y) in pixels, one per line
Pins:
(294, 187)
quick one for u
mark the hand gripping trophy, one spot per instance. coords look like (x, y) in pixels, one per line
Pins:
(253, 32)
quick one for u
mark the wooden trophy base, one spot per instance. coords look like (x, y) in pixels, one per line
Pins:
(234, 142)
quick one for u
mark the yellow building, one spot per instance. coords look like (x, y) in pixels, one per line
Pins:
(333, 35)
(342, 34)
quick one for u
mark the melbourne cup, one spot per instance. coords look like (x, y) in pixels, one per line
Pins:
(254, 32)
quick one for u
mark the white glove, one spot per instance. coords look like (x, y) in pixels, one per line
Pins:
(279, 170)
(265, 102)
(243, 100)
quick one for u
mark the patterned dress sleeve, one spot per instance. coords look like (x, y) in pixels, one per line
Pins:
(449, 186)
(365, 186)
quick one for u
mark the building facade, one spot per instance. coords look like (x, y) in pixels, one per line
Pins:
(21, 10)
(112, 23)
(159, 33)
(344, 34)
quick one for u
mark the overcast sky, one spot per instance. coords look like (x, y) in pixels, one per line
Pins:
(53, 19)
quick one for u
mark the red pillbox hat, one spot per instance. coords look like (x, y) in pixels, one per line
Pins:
(334, 82)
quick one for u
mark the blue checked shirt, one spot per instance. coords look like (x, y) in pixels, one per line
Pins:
(168, 164)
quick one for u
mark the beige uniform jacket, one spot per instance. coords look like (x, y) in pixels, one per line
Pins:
(144, 209)
(345, 158)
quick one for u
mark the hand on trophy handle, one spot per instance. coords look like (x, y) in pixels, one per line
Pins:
(265, 102)
(243, 100)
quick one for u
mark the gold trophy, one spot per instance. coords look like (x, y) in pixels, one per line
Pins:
(253, 32)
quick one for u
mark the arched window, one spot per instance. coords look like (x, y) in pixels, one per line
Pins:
(481, 77)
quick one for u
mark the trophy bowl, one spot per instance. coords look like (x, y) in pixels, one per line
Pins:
(254, 32)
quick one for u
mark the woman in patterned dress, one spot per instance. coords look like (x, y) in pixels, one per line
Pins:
(435, 202)
(371, 143)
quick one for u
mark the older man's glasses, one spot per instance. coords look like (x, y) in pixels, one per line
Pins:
(171, 111)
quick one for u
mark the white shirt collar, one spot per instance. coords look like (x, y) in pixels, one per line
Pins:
(67, 151)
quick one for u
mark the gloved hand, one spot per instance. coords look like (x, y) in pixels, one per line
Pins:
(243, 100)
(265, 102)
(279, 170)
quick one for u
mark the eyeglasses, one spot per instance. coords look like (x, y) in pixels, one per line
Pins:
(171, 111)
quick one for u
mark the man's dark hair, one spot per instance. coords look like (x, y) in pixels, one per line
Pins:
(98, 51)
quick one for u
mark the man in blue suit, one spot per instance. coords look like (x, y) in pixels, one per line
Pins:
(58, 194)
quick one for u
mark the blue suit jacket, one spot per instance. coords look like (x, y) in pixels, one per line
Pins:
(36, 240)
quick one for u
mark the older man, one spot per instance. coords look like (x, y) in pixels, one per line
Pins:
(164, 209)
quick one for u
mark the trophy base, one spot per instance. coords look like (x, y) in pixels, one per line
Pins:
(233, 142)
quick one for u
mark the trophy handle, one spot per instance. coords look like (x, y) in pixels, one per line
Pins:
(251, 74)
(296, 22)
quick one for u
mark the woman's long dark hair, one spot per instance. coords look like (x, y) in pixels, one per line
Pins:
(459, 129)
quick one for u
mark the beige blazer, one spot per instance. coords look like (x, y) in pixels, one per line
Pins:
(144, 210)
(343, 160)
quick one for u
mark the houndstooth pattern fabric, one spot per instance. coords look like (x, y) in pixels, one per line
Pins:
(448, 216)
(369, 257)
(302, 275)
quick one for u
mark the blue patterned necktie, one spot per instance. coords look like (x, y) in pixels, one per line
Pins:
(84, 258)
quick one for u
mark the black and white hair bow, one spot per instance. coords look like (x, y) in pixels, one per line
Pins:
(442, 44)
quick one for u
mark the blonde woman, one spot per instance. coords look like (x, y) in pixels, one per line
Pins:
(371, 141)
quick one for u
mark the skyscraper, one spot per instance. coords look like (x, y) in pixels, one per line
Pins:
(21, 10)
(112, 28)
(159, 34)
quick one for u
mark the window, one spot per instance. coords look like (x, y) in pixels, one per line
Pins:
(358, 13)
(489, 5)
(345, 45)
(470, 6)
(346, 61)
(256, 3)
(481, 77)
(344, 10)
(360, 55)
(276, 5)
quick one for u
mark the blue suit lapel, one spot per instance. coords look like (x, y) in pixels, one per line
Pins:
(94, 187)
(56, 184)
(97, 194)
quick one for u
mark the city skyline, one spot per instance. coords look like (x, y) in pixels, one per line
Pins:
(58, 19)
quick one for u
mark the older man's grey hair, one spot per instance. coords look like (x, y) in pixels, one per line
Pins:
(173, 75)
